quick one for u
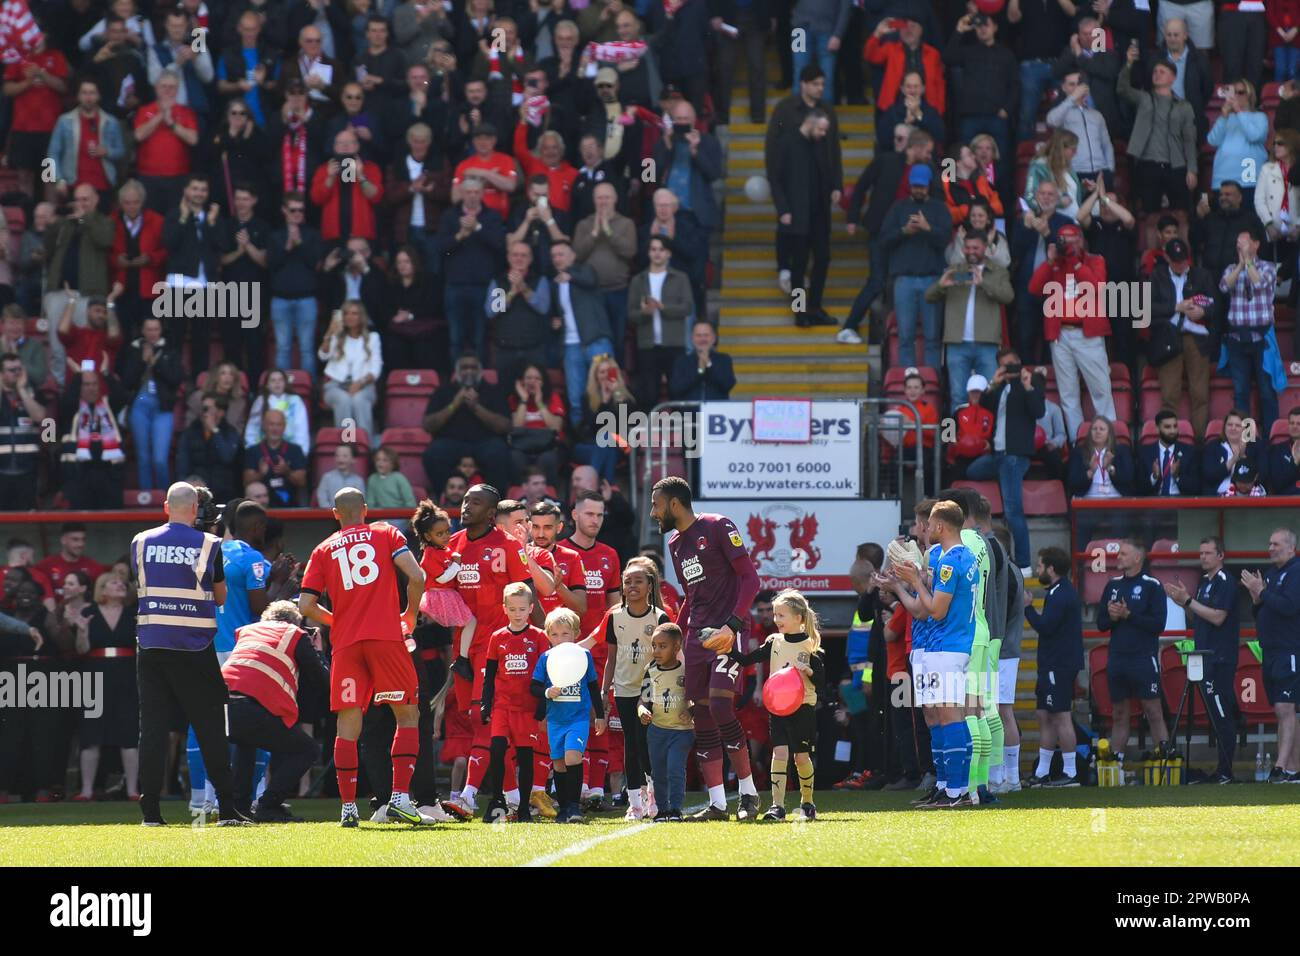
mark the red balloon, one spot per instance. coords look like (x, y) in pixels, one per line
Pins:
(991, 7)
(783, 692)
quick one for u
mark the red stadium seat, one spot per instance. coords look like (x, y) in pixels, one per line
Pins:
(409, 443)
(1098, 657)
(490, 376)
(1252, 700)
(1173, 680)
(1214, 430)
(299, 383)
(144, 498)
(1094, 582)
(1278, 434)
(1170, 569)
(407, 395)
(989, 489)
(1046, 497)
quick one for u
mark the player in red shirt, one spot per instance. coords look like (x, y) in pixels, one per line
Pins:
(571, 578)
(357, 567)
(490, 559)
(604, 582)
(71, 557)
(509, 706)
(512, 518)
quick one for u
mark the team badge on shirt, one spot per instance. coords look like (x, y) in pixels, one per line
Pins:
(258, 570)
(523, 557)
(945, 573)
(700, 543)
(734, 538)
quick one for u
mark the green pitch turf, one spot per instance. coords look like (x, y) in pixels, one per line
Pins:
(1248, 824)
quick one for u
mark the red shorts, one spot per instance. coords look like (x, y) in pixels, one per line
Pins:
(456, 736)
(378, 671)
(519, 727)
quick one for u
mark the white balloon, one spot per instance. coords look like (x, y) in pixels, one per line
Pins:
(757, 189)
(566, 664)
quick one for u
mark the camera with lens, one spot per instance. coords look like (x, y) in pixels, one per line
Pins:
(208, 513)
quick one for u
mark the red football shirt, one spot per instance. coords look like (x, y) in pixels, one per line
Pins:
(90, 169)
(498, 163)
(55, 568)
(164, 153)
(37, 109)
(355, 566)
(568, 566)
(517, 656)
(487, 564)
(600, 562)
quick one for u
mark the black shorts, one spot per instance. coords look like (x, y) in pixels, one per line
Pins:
(1133, 675)
(1281, 680)
(27, 150)
(798, 731)
(1055, 690)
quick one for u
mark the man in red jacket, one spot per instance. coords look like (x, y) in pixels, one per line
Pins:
(895, 43)
(348, 191)
(136, 258)
(1073, 284)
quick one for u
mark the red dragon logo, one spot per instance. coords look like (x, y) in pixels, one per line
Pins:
(802, 533)
(763, 533)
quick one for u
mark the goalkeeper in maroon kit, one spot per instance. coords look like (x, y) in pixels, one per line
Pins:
(720, 582)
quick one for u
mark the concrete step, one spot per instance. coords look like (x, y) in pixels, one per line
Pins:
(822, 389)
(852, 360)
(791, 343)
(854, 127)
(782, 310)
(853, 157)
(737, 276)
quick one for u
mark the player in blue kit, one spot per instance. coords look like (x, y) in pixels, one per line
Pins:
(569, 713)
(949, 603)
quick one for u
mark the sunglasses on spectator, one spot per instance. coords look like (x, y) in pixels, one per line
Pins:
(239, 112)
(295, 210)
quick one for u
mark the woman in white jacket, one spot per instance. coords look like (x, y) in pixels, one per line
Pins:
(1277, 201)
(276, 394)
(353, 360)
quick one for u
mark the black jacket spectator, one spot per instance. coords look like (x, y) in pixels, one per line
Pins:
(167, 371)
(475, 260)
(213, 456)
(990, 77)
(242, 159)
(1077, 482)
(1199, 281)
(293, 271)
(1024, 408)
(1283, 470)
(191, 243)
(1147, 478)
(931, 122)
(581, 204)
(680, 43)
(881, 179)
(372, 290)
(689, 383)
(1214, 238)
(1214, 464)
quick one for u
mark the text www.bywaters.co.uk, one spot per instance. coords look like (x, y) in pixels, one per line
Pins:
(1203, 923)
(780, 484)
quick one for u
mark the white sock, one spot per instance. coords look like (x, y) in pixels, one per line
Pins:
(996, 773)
(718, 796)
(634, 798)
(1044, 763)
(1068, 758)
(595, 792)
(454, 794)
(469, 792)
(1011, 763)
(747, 787)
(512, 796)
(397, 796)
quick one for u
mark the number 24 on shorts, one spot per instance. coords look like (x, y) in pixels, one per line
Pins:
(723, 668)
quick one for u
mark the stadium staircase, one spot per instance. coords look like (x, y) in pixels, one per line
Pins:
(772, 356)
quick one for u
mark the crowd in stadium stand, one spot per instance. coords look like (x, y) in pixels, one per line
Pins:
(387, 194)
(474, 227)
(1034, 159)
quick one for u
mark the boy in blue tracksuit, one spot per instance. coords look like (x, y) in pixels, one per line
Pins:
(568, 715)
(1133, 609)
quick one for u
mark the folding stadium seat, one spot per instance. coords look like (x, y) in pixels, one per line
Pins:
(555, 376)
(407, 396)
(1214, 430)
(1166, 569)
(989, 489)
(1252, 701)
(299, 383)
(1278, 435)
(893, 384)
(490, 376)
(1173, 680)
(1098, 686)
(327, 439)
(1044, 498)
(1290, 397)
(144, 498)
(1094, 582)
(36, 325)
(1222, 397)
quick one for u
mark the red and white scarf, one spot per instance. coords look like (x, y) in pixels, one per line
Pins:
(293, 158)
(516, 75)
(616, 51)
(535, 108)
(97, 420)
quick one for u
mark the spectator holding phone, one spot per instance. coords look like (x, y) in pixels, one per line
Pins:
(973, 294)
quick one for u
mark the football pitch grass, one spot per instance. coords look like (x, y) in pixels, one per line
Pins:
(1242, 825)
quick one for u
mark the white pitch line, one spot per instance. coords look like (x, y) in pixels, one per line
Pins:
(584, 845)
